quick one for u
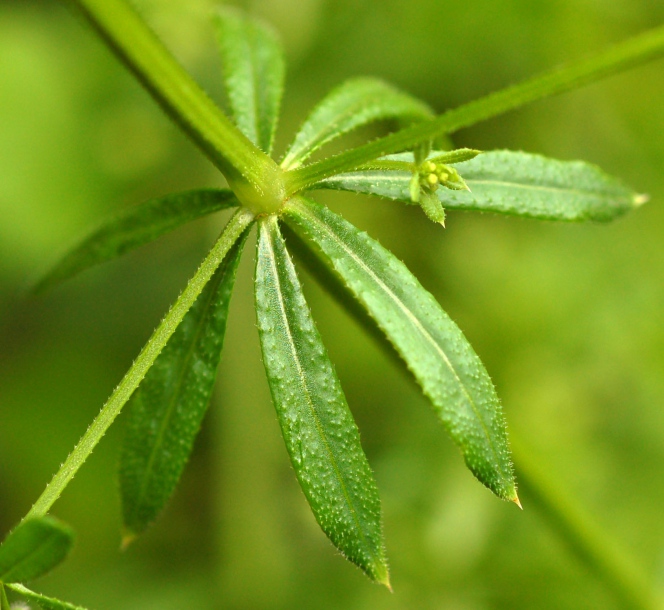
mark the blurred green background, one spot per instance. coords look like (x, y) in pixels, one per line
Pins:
(569, 319)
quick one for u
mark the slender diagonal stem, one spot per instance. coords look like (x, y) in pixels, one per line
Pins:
(628, 54)
(236, 226)
(594, 547)
(597, 551)
(177, 93)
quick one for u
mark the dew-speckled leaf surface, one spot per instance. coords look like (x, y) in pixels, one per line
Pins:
(34, 548)
(513, 183)
(435, 350)
(44, 602)
(254, 70)
(355, 103)
(166, 411)
(136, 226)
(320, 434)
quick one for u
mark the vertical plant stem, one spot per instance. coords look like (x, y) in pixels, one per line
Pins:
(236, 226)
(591, 545)
(175, 90)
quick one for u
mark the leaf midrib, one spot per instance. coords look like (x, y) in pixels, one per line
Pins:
(307, 393)
(172, 402)
(402, 177)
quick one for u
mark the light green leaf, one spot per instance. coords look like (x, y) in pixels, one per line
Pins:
(166, 411)
(254, 69)
(436, 352)
(432, 207)
(136, 226)
(47, 603)
(33, 548)
(509, 182)
(320, 434)
(355, 103)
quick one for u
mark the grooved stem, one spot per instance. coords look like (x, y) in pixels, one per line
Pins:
(122, 393)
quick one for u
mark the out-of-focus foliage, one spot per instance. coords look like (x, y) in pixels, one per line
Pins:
(569, 320)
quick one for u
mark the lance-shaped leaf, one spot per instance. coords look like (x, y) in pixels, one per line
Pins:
(166, 411)
(320, 434)
(136, 226)
(509, 182)
(46, 603)
(254, 69)
(33, 548)
(355, 103)
(435, 350)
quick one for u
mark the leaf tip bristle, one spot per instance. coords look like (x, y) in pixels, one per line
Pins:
(640, 199)
(517, 501)
(384, 579)
(127, 538)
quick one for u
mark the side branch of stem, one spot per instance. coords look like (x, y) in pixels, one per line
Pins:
(628, 54)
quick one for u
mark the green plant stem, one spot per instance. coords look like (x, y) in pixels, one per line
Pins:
(4, 603)
(177, 93)
(236, 226)
(628, 54)
(592, 546)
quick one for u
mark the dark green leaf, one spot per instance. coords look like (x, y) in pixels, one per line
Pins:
(136, 226)
(321, 437)
(355, 103)
(254, 71)
(435, 350)
(47, 603)
(166, 411)
(511, 183)
(33, 548)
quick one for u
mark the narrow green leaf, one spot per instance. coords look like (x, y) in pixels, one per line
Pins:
(167, 409)
(514, 183)
(355, 103)
(33, 548)
(136, 226)
(254, 69)
(46, 603)
(432, 207)
(435, 350)
(320, 434)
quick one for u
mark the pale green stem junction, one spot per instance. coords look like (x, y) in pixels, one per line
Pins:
(253, 175)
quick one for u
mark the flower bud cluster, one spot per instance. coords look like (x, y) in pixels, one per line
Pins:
(431, 175)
